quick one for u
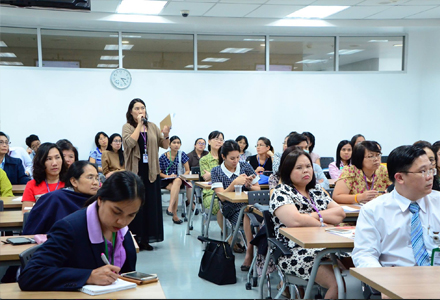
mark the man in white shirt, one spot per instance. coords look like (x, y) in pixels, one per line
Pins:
(19, 152)
(397, 229)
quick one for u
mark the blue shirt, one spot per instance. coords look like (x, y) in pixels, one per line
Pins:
(96, 154)
(2, 165)
(167, 167)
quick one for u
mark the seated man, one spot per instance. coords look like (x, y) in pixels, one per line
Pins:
(13, 167)
(397, 229)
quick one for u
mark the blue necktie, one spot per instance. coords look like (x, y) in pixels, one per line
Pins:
(420, 254)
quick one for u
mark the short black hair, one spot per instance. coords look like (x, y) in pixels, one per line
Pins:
(242, 137)
(284, 155)
(436, 148)
(30, 139)
(423, 144)
(195, 143)
(354, 138)
(267, 142)
(402, 158)
(97, 138)
(357, 158)
(175, 137)
(39, 161)
(228, 146)
(296, 139)
(76, 170)
(65, 144)
(5, 135)
(338, 152)
(213, 135)
(289, 163)
(312, 140)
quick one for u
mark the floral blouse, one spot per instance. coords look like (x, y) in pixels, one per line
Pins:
(356, 182)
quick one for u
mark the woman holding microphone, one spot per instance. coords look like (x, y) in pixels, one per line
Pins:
(141, 140)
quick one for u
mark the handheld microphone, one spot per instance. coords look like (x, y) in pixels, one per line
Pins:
(145, 121)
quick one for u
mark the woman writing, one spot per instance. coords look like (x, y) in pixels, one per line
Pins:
(172, 164)
(49, 169)
(141, 140)
(82, 182)
(343, 158)
(71, 257)
(262, 161)
(300, 202)
(113, 157)
(101, 142)
(365, 179)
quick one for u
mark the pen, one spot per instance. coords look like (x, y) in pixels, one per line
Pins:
(104, 259)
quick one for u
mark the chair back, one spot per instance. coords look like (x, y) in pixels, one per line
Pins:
(270, 231)
(384, 159)
(195, 170)
(325, 161)
(25, 217)
(260, 197)
(26, 255)
(1, 205)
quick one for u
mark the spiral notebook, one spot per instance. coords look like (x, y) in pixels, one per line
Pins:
(118, 285)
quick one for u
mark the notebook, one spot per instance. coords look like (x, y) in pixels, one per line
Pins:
(118, 285)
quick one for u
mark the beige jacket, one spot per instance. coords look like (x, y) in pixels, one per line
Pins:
(132, 153)
(110, 162)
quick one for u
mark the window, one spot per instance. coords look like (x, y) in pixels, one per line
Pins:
(18, 47)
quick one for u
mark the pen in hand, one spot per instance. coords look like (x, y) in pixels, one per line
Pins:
(104, 259)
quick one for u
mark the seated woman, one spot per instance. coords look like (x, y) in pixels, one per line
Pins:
(70, 153)
(343, 158)
(365, 179)
(274, 179)
(262, 161)
(5, 185)
(436, 149)
(316, 159)
(230, 172)
(356, 139)
(244, 144)
(194, 161)
(101, 142)
(207, 162)
(82, 182)
(300, 202)
(12, 166)
(71, 256)
(430, 151)
(172, 164)
(49, 170)
(277, 156)
(112, 159)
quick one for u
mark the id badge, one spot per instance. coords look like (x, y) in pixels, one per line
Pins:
(435, 257)
(145, 158)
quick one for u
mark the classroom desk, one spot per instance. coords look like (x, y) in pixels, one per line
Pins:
(18, 189)
(192, 178)
(11, 220)
(351, 216)
(148, 291)
(317, 237)
(331, 182)
(9, 253)
(402, 282)
(8, 202)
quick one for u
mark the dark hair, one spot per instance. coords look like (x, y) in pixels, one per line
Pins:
(30, 139)
(76, 170)
(130, 119)
(195, 143)
(289, 163)
(353, 140)
(175, 137)
(40, 158)
(228, 146)
(267, 142)
(120, 151)
(97, 136)
(338, 152)
(312, 140)
(296, 139)
(401, 159)
(283, 156)
(436, 148)
(242, 137)
(121, 186)
(357, 157)
(65, 144)
(423, 144)
(4, 134)
(213, 135)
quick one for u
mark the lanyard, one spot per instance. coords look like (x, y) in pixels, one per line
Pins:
(113, 245)
(311, 201)
(258, 158)
(144, 135)
(372, 183)
(47, 185)
(171, 163)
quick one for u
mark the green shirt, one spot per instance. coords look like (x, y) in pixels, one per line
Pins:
(5, 185)
(207, 162)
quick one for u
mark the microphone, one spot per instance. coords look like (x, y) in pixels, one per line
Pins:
(145, 121)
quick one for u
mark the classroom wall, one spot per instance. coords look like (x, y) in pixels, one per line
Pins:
(77, 103)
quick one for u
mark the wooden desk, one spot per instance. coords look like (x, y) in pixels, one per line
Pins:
(203, 184)
(190, 177)
(234, 198)
(264, 186)
(18, 189)
(11, 220)
(9, 254)
(9, 204)
(331, 182)
(148, 291)
(402, 282)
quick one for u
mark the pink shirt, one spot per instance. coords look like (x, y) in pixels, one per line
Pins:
(96, 237)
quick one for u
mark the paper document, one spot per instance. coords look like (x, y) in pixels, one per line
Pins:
(350, 209)
(116, 286)
(347, 232)
(166, 122)
(17, 199)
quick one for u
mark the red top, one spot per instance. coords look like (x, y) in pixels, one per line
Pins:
(33, 190)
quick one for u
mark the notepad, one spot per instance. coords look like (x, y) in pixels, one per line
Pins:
(17, 199)
(118, 285)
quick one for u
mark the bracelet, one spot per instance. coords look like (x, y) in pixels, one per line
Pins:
(355, 198)
(167, 137)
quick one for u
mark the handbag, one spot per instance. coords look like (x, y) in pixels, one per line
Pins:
(218, 262)
(263, 179)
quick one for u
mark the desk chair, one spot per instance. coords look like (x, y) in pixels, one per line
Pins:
(384, 159)
(207, 217)
(2, 207)
(182, 193)
(26, 255)
(325, 161)
(25, 217)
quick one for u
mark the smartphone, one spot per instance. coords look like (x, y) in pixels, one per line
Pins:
(139, 276)
(381, 192)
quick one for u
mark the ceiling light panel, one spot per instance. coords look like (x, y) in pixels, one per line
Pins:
(7, 54)
(215, 59)
(141, 7)
(3, 44)
(347, 51)
(316, 12)
(108, 65)
(116, 47)
(311, 61)
(236, 50)
(11, 63)
(110, 57)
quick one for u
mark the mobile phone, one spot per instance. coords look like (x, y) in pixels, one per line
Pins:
(381, 192)
(139, 276)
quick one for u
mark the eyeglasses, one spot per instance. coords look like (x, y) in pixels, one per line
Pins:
(5, 143)
(117, 141)
(374, 157)
(35, 147)
(260, 145)
(92, 178)
(201, 143)
(430, 172)
(218, 140)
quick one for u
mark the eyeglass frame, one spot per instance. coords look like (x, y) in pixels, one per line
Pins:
(373, 158)
(430, 172)
(5, 142)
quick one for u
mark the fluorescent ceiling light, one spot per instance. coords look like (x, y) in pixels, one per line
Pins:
(116, 47)
(11, 63)
(213, 59)
(7, 54)
(256, 40)
(3, 44)
(199, 66)
(378, 41)
(316, 12)
(263, 45)
(140, 7)
(398, 45)
(110, 57)
(347, 51)
(126, 36)
(108, 65)
(236, 50)
(311, 61)
(125, 42)
(189, 66)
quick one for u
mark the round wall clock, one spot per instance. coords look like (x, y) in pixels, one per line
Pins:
(121, 78)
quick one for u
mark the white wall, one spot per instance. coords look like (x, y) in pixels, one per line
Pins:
(75, 104)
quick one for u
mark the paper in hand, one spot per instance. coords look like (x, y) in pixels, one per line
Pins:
(166, 122)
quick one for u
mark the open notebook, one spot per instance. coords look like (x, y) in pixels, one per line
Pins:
(116, 286)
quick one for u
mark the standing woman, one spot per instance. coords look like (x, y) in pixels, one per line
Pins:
(141, 140)
(262, 161)
(343, 158)
(244, 144)
(49, 170)
(113, 158)
(101, 142)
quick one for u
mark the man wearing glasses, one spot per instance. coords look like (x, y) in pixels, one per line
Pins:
(401, 228)
(13, 167)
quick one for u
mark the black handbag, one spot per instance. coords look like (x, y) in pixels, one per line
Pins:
(218, 262)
